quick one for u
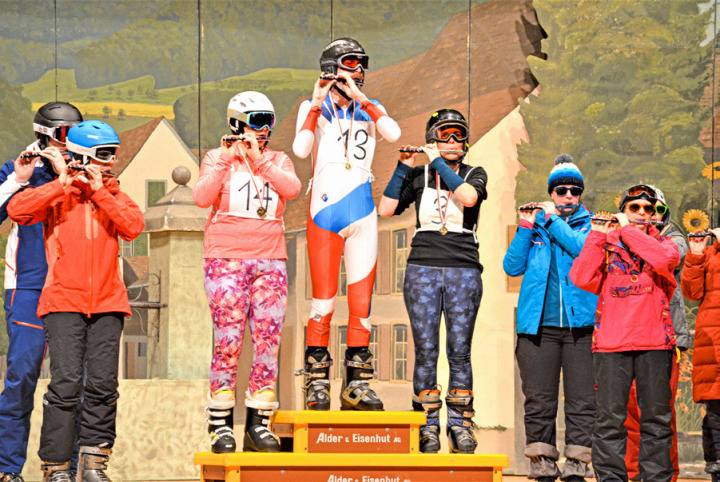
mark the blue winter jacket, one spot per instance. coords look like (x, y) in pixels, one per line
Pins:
(529, 254)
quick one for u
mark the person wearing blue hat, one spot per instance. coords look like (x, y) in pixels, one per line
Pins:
(84, 301)
(554, 326)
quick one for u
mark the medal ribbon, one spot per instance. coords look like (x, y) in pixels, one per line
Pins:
(352, 118)
(443, 215)
(259, 192)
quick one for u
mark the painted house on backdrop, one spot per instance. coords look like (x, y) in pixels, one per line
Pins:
(147, 157)
(495, 76)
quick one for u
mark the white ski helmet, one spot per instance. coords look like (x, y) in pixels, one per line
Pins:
(253, 109)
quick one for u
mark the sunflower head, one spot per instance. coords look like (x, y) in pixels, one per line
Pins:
(712, 171)
(695, 219)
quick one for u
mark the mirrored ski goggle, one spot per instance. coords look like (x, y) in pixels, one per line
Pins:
(258, 120)
(58, 133)
(102, 154)
(354, 61)
(446, 132)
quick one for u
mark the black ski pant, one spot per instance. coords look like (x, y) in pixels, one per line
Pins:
(711, 436)
(72, 338)
(540, 358)
(614, 374)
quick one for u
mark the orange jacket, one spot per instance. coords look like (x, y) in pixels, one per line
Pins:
(700, 280)
(81, 229)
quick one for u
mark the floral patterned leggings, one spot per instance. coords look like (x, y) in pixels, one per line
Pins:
(245, 289)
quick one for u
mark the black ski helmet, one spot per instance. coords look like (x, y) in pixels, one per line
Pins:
(51, 116)
(445, 117)
(331, 54)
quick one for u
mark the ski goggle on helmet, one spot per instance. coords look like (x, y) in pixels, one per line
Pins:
(256, 120)
(93, 140)
(58, 133)
(353, 61)
(446, 131)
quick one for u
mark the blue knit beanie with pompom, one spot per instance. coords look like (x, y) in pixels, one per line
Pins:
(565, 172)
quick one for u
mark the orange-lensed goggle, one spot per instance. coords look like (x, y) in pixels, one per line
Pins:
(354, 62)
(447, 132)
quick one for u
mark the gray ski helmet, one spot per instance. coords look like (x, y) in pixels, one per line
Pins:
(53, 120)
(333, 53)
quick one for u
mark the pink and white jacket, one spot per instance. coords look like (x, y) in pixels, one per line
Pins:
(633, 273)
(246, 221)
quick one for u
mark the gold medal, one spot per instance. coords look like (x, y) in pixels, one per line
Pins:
(261, 212)
(443, 230)
(348, 166)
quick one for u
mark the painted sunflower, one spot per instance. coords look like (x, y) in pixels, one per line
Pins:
(708, 171)
(695, 219)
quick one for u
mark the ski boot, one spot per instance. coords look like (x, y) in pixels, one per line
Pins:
(56, 472)
(429, 402)
(93, 463)
(8, 477)
(317, 378)
(220, 421)
(460, 412)
(356, 393)
(260, 407)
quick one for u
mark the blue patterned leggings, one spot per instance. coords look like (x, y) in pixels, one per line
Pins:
(429, 292)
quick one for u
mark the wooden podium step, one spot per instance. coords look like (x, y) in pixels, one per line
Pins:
(349, 447)
(296, 467)
(312, 432)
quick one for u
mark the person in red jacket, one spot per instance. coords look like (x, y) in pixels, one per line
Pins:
(701, 281)
(631, 267)
(84, 301)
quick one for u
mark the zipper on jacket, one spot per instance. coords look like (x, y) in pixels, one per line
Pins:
(557, 266)
(91, 208)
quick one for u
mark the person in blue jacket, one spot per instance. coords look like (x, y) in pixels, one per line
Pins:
(25, 271)
(554, 326)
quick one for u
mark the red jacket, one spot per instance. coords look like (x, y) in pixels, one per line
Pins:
(701, 281)
(632, 272)
(81, 231)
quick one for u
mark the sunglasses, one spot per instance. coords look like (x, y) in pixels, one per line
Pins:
(354, 62)
(647, 208)
(453, 131)
(58, 133)
(661, 209)
(575, 191)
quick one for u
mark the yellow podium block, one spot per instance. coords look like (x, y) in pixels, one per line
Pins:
(301, 467)
(349, 447)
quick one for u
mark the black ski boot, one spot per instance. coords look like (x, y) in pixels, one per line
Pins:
(429, 402)
(9, 477)
(93, 464)
(220, 421)
(56, 472)
(460, 412)
(356, 393)
(258, 437)
(317, 379)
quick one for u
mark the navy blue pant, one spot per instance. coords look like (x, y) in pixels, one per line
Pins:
(26, 351)
(430, 292)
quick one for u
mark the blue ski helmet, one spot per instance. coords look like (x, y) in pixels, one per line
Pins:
(93, 139)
